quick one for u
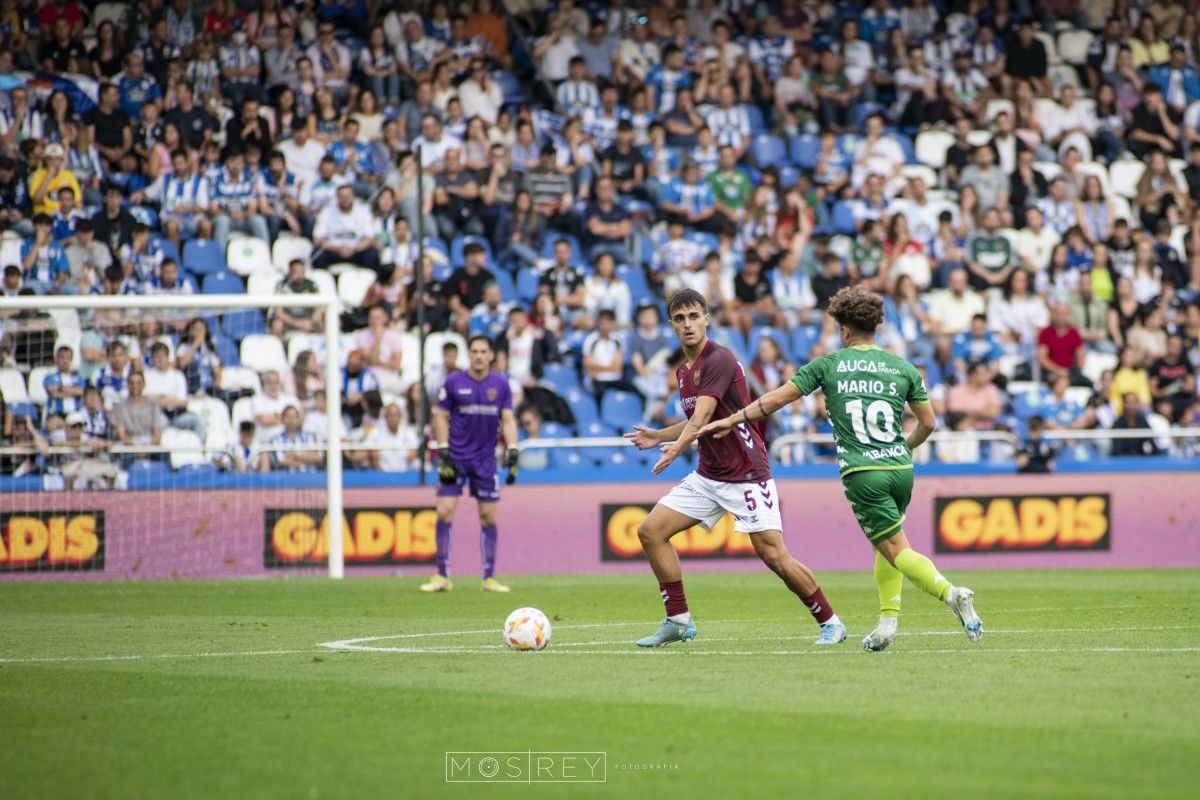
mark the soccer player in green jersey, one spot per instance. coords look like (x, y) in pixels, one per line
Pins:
(865, 392)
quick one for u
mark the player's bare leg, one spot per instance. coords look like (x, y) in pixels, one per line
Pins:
(925, 576)
(446, 506)
(487, 547)
(655, 534)
(770, 547)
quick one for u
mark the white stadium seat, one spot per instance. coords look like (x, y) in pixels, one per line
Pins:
(1073, 46)
(288, 247)
(262, 352)
(213, 412)
(1123, 176)
(1100, 171)
(1094, 365)
(234, 378)
(433, 348)
(37, 386)
(243, 411)
(185, 447)
(261, 284)
(353, 285)
(324, 281)
(931, 147)
(12, 386)
(247, 255)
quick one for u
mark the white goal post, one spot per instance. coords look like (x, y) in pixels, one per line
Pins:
(215, 302)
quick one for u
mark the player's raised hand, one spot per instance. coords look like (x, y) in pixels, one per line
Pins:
(643, 438)
(669, 453)
(717, 429)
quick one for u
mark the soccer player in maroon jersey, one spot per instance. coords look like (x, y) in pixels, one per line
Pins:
(734, 475)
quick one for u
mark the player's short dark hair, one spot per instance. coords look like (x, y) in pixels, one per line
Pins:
(479, 337)
(686, 298)
(857, 308)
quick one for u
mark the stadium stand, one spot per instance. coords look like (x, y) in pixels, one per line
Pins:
(1033, 166)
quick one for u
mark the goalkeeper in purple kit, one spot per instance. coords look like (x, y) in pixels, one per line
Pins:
(474, 409)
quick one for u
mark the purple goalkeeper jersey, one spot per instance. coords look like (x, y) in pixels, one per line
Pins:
(474, 408)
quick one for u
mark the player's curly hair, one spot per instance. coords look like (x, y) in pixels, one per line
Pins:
(857, 308)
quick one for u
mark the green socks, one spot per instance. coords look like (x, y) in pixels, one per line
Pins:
(921, 571)
(890, 581)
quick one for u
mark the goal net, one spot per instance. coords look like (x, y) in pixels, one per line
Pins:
(196, 435)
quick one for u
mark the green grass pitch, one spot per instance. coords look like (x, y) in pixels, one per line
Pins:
(1086, 684)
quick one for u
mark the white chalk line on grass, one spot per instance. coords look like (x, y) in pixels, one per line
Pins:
(149, 656)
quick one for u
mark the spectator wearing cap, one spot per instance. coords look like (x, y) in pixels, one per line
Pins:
(344, 232)
(46, 181)
(43, 260)
(234, 203)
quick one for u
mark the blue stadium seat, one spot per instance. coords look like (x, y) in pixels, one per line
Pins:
(560, 376)
(767, 150)
(708, 241)
(788, 175)
(166, 247)
(145, 474)
(621, 409)
(505, 282)
(864, 110)
(513, 95)
(227, 350)
(434, 243)
(203, 257)
(461, 241)
(527, 285)
(239, 324)
(906, 144)
(843, 217)
(757, 124)
(145, 215)
(582, 406)
(803, 339)
(223, 283)
(636, 278)
(554, 430)
(803, 150)
(570, 458)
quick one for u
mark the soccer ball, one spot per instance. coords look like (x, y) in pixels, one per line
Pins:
(527, 629)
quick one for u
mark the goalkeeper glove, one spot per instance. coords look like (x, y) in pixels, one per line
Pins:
(447, 469)
(510, 463)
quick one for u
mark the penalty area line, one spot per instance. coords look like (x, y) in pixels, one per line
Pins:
(152, 656)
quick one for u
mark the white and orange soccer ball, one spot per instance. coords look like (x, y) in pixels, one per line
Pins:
(527, 629)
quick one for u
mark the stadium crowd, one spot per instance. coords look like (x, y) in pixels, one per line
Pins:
(1020, 180)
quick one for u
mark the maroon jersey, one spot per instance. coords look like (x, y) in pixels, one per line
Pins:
(740, 456)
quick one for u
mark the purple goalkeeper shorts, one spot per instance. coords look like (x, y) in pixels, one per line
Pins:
(485, 487)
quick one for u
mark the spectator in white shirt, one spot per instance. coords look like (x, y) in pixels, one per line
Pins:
(302, 154)
(434, 142)
(1035, 242)
(1070, 124)
(954, 307)
(480, 95)
(555, 50)
(344, 233)
(398, 439)
(267, 406)
(166, 387)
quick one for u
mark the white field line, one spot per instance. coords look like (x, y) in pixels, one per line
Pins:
(355, 645)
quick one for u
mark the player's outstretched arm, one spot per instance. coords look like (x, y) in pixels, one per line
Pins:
(926, 424)
(643, 438)
(705, 406)
(761, 408)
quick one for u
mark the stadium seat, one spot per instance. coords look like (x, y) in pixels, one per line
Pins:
(227, 350)
(223, 282)
(560, 376)
(287, 248)
(247, 255)
(1123, 176)
(906, 146)
(166, 247)
(410, 356)
(1073, 45)
(1051, 46)
(635, 277)
(353, 285)
(242, 322)
(242, 411)
(1094, 365)
(621, 409)
(1160, 425)
(261, 284)
(582, 406)
(527, 285)
(1049, 169)
(997, 105)
(1100, 171)
(202, 257)
(767, 150)
(10, 250)
(507, 289)
(552, 238)
(757, 124)
(803, 339)
(66, 322)
(264, 351)
(12, 386)
(326, 283)
(433, 348)
(185, 448)
(932, 147)
(803, 151)
(843, 218)
(213, 412)
(109, 12)
(788, 175)
(921, 171)
(37, 387)
(978, 137)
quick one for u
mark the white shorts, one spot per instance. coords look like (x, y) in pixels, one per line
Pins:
(754, 506)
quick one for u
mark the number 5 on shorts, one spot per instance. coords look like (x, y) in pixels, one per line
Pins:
(751, 503)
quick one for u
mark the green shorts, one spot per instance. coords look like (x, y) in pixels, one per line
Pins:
(878, 498)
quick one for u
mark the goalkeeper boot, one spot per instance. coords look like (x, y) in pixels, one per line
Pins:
(883, 635)
(961, 603)
(493, 585)
(438, 583)
(831, 633)
(669, 631)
